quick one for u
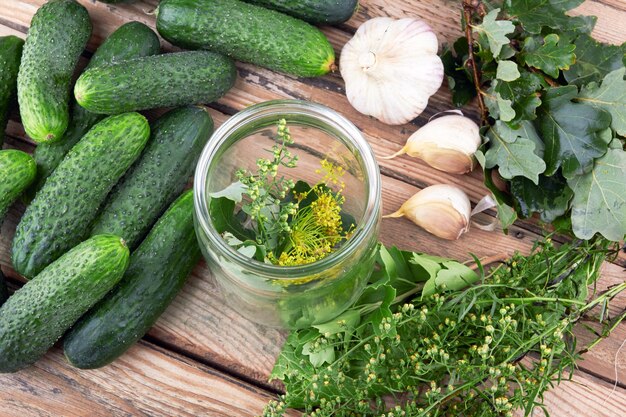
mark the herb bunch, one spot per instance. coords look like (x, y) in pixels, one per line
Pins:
(471, 345)
(281, 221)
(553, 105)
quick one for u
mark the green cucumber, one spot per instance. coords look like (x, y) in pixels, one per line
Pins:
(17, 172)
(326, 12)
(57, 36)
(4, 292)
(167, 80)
(130, 40)
(62, 211)
(158, 177)
(40, 312)
(158, 269)
(10, 54)
(247, 33)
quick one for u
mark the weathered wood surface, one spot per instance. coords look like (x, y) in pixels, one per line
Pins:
(202, 327)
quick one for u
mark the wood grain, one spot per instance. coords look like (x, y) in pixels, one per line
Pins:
(201, 325)
(147, 381)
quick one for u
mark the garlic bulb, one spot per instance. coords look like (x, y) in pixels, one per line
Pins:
(443, 210)
(447, 143)
(391, 68)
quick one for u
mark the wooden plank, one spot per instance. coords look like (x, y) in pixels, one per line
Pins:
(583, 396)
(147, 381)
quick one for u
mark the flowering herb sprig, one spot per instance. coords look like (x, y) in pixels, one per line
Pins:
(281, 221)
(478, 345)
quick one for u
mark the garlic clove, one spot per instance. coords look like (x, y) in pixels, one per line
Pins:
(391, 68)
(443, 210)
(447, 143)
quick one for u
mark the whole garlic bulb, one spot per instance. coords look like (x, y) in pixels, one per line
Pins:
(391, 68)
(447, 143)
(443, 210)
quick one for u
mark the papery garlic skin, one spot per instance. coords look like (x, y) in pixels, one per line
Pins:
(391, 68)
(443, 210)
(447, 143)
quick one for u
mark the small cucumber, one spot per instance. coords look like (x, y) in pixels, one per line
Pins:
(131, 40)
(57, 36)
(326, 12)
(4, 292)
(17, 172)
(62, 211)
(158, 177)
(10, 54)
(158, 269)
(247, 33)
(166, 80)
(38, 314)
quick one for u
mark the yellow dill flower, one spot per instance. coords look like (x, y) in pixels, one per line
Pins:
(326, 211)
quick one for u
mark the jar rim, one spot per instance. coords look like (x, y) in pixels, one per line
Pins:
(353, 137)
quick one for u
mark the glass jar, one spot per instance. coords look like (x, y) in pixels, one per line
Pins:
(291, 296)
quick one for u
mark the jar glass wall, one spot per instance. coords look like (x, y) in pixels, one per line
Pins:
(295, 296)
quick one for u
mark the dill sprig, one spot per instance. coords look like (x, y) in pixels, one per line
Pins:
(488, 349)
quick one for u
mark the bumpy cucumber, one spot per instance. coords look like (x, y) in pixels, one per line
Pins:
(4, 292)
(10, 53)
(247, 33)
(57, 36)
(328, 12)
(166, 80)
(157, 271)
(158, 177)
(62, 211)
(131, 40)
(38, 314)
(17, 172)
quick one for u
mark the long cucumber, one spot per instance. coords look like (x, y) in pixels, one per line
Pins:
(57, 36)
(158, 269)
(38, 314)
(130, 40)
(62, 211)
(247, 33)
(158, 176)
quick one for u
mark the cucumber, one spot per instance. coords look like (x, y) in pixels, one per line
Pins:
(17, 172)
(62, 211)
(167, 80)
(247, 33)
(38, 314)
(158, 177)
(130, 40)
(57, 36)
(4, 292)
(157, 271)
(10, 54)
(326, 12)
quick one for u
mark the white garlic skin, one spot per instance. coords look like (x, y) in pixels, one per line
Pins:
(391, 68)
(443, 210)
(447, 143)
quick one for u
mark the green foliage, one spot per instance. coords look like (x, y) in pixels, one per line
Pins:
(551, 57)
(565, 96)
(455, 350)
(610, 96)
(571, 132)
(495, 31)
(599, 204)
(513, 153)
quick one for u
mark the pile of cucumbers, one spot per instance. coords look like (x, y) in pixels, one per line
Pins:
(107, 239)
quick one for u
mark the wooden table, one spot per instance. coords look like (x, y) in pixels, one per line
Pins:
(202, 358)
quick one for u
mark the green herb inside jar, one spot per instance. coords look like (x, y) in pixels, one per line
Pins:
(276, 220)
